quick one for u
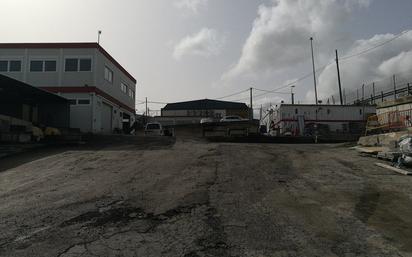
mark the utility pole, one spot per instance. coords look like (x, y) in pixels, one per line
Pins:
(260, 116)
(147, 114)
(394, 86)
(363, 92)
(314, 70)
(339, 82)
(251, 104)
(292, 94)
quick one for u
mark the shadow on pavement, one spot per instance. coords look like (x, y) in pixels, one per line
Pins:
(92, 143)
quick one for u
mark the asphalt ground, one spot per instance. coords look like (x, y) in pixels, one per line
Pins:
(192, 198)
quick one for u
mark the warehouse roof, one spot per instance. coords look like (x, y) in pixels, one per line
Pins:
(205, 104)
(14, 91)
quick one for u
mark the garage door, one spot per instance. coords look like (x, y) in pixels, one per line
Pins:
(106, 119)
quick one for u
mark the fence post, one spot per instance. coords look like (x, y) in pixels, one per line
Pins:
(373, 89)
(382, 95)
(394, 86)
(363, 94)
(409, 90)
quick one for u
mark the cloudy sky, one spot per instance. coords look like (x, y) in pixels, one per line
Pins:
(193, 49)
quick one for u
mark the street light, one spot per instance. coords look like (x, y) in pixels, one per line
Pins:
(98, 36)
(314, 71)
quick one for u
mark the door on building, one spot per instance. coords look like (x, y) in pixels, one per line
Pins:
(106, 119)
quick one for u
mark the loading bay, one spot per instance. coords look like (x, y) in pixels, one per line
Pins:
(188, 197)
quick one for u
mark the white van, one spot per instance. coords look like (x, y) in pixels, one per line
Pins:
(153, 129)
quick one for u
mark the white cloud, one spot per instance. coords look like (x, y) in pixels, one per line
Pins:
(377, 65)
(280, 35)
(192, 5)
(207, 42)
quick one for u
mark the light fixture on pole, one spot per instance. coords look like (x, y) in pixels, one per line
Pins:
(314, 70)
(98, 36)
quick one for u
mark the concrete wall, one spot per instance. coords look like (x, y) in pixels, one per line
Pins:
(385, 140)
(401, 107)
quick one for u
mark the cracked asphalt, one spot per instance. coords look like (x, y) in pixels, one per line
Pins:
(190, 198)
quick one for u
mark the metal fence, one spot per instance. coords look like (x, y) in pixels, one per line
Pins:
(398, 85)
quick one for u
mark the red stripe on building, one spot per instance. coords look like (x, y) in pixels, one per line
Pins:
(88, 90)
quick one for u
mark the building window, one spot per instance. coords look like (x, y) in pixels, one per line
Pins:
(4, 66)
(50, 66)
(36, 66)
(85, 64)
(10, 66)
(72, 101)
(83, 101)
(131, 93)
(71, 64)
(328, 111)
(296, 111)
(43, 66)
(76, 64)
(108, 74)
(15, 66)
(123, 87)
(360, 111)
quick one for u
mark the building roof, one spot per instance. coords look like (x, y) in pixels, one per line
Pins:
(68, 45)
(205, 104)
(14, 91)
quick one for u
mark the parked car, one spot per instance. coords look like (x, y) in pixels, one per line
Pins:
(231, 118)
(153, 129)
(206, 120)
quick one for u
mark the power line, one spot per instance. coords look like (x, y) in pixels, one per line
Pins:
(151, 102)
(227, 96)
(271, 92)
(275, 91)
(374, 47)
(343, 58)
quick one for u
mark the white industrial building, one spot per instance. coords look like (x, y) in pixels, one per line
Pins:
(101, 92)
(302, 119)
